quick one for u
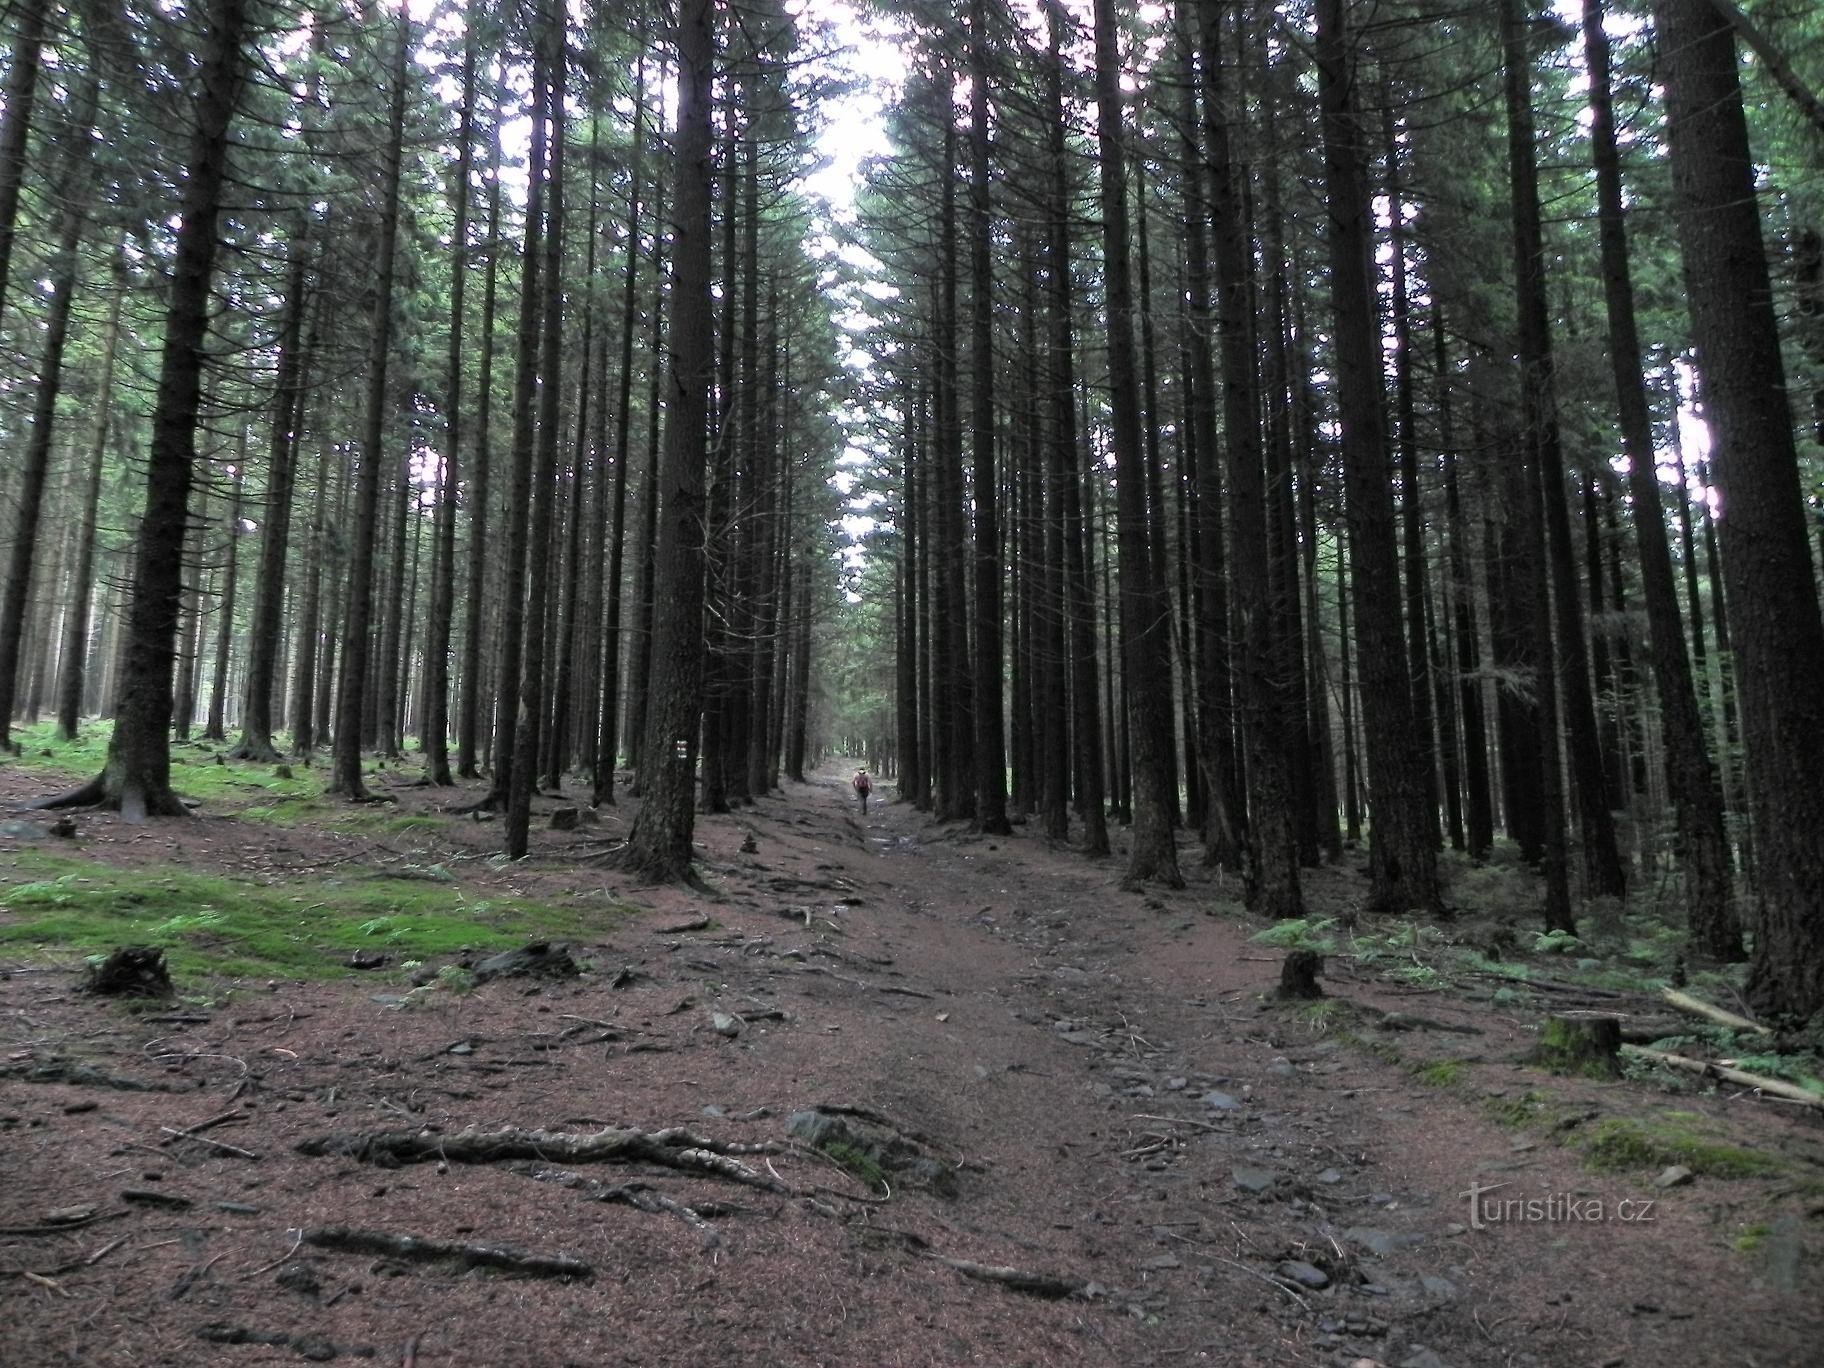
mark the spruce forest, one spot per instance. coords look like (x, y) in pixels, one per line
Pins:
(1023, 677)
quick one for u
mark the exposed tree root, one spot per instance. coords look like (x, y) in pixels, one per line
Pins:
(673, 1147)
(258, 749)
(346, 1240)
(81, 1075)
(133, 801)
(640, 1196)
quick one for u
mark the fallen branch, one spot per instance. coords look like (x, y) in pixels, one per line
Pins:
(346, 1240)
(1686, 1003)
(1774, 1087)
(1019, 1279)
(673, 1147)
(221, 1145)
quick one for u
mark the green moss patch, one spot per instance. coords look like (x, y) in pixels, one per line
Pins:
(1445, 1073)
(300, 928)
(1622, 1144)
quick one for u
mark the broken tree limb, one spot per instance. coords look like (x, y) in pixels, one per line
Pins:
(1774, 61)
(1695, 1007)
(221, 1145)
(674, 1147)
(347, 1240)
(1707, 1068)
(1019, 1279)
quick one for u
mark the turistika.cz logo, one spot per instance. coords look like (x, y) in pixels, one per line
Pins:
(1551, 1208)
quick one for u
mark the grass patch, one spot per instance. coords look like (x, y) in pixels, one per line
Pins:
(1517, 1113)
(857, 1161)
(194, 771)
(1752, 1237)
(1445, 1073)
(209, 924)
(1299, 933)
(1678, 1137)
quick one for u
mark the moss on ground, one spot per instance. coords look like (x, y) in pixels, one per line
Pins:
(300, 928)
(1621, 1144)
(1444, 1073)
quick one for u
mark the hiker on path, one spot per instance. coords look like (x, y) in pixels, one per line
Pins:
(863, 787)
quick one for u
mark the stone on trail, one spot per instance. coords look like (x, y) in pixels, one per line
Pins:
(1254, 1179)
(725, 1025)
(1304, 1274)
(1220, 1101)
(1675, 1175)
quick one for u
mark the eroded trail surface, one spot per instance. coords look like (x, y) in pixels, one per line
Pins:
(886, 1094)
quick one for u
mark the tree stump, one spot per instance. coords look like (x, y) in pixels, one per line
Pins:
(565, 819)
(1588, 1045)
(131, 971)
(1298, 976)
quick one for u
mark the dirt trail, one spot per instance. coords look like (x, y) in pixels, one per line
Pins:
(1065, 1086)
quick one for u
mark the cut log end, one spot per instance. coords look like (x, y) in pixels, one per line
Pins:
(1588, 1045)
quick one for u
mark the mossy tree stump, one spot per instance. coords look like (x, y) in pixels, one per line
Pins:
(1588, 1045)
(1298, 977)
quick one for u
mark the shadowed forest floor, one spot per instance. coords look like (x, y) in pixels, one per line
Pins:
(884, 1093)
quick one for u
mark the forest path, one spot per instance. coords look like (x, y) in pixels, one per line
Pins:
(1091, 1085)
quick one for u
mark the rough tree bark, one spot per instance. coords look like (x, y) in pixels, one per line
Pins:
(659, 842)
(346, 745)
(1767, 575)
(1402, 855)
(1145, 607)
(1697, 797)
(137, 776)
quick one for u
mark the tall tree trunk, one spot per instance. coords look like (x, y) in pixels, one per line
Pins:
(1697, 798)
(1412, 497)
(609, 743)
(1270, 870)
(215, 725)
(440, 621)
(1604, 875)
(82, 580)
(1223, 814)
(552, 23)
(137, 776)
(15, 131)
(1402, 855)
(1078, 602)
(346, 774)
(275, 524)
(304, 732)
(469, 718)
(659, 842)
(71, 192)
(1145, 607)
(1772, 596)
(990, 745)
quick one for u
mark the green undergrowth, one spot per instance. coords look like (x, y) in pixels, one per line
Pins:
(1443, 1073)
(1632, 1144)
(297, 928)
(194, 771)
(1623, 1144)
(857, 1161)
